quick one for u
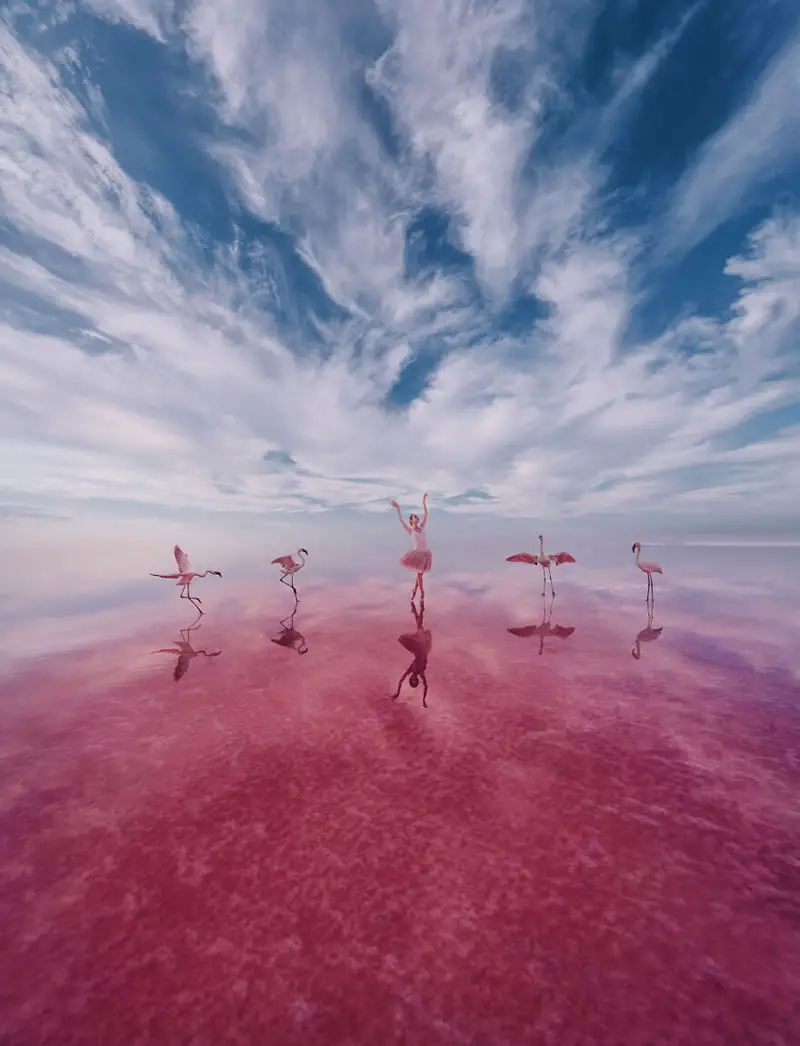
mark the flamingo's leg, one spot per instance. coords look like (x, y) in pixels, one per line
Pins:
(550, 575)
(193, 600)
(421, 584)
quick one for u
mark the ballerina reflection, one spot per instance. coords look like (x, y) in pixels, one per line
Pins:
(289, 636)
(185, 651)
(419, 644)
(544, 628)
(647, 635)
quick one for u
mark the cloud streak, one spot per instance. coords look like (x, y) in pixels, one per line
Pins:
(255, 366)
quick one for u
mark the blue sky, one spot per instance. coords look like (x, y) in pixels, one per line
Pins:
(538, 259)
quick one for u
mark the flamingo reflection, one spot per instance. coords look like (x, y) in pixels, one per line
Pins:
(647, 635)
(544, 628)
(289, 636)
(419, 644)
(185, 651)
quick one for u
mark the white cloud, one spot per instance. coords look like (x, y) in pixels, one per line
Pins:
(189, 382)
(760, 141)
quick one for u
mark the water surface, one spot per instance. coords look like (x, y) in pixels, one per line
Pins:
(227, 831)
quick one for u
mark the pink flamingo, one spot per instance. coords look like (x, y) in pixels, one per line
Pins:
(186, 652)
(544, 560)
(289, 637)
(185, 577)
(647, 635)
(290, 566)
(649, 569)
(544, 628)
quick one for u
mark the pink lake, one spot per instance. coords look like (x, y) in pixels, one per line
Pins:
(570, 846)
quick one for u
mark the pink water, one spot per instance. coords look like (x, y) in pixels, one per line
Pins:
(572, 847)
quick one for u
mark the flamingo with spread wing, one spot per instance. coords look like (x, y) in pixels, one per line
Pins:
(544, 628)
(289, 567)
(290, 638)
(545, 560)
(185, 576)
(186, 652)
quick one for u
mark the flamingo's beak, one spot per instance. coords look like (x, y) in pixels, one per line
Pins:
(218, 573)
(633, 548)
(304, 551)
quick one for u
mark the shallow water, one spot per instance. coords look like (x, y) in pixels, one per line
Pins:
(206, 837)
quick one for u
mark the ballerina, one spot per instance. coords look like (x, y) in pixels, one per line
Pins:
(419, 644)
(419, 558)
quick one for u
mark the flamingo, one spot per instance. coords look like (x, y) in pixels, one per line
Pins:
(647, 635)
(290, 566)
(185, 577)
(544, 628)
(649, 569)
(544, 560)
(185, 651)
(290, 637)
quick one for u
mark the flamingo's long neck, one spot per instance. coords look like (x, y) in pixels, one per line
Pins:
(302, 557)
(638, 553)
(541, 545)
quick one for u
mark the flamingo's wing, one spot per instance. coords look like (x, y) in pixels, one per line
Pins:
(182, 560)
(648, 634)
(522, 557)
(284, 561)
(525, 632)
(286, 640)
(562, 631)
(562, 557)
(181, 666)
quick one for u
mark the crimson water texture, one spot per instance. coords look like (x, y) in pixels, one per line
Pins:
(229, 831)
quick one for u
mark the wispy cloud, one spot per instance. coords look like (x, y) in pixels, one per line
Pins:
(760, 142)
(391, 205)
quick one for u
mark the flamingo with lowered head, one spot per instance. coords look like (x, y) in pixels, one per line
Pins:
(185, 577)
(647, 568)
(544, 560)
(647, 635)
(289, 567)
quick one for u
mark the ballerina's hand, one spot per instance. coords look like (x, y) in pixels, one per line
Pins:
(395, 505)
(424, 497)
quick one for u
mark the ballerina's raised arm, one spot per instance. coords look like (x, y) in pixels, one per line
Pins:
(424, 511)
(403, 523)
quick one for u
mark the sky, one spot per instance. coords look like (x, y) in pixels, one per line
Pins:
(538, 259)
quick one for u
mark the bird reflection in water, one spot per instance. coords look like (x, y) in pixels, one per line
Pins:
(647, 635)
(418, 643)
(185, 651)
(544, 628)
(289, 636)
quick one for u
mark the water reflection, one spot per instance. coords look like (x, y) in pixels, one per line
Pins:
(647, 635)
(418, 643)
(544, 628)
(290, 637)
(185, 651)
